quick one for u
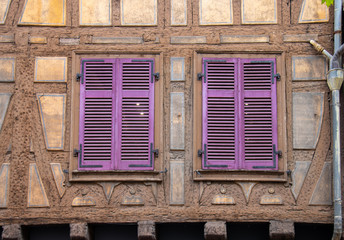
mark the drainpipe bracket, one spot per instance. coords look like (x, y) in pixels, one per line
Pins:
(335, 78)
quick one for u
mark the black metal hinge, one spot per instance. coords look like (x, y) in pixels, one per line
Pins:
(77, 153)
(153, 153)
(205, 164)
(275, 154)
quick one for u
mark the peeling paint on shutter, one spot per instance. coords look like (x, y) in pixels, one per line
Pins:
(97, 112)
(136, 132)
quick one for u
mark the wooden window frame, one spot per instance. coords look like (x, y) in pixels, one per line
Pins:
(76, 175)
(200, 174)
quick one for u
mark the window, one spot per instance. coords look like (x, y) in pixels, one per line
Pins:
(236, 100)
(114, 115)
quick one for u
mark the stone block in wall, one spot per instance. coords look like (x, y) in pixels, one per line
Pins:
(217, 12)
(117, 40)
(300, 37)
(69, 41)
(4, 102)
(308, 110)
(259, 12)
(189, 40)
(7, 38)
(313, 11)
(146, 230)
(322, 194)
(12, 232)
(309, 68)
(244, 39)
(178, 12)
(79, 231)
(4, 184)
(95, 12)
(52, 109)
(215, 230)
(44, 12)
(177, 183)
(38, 40)
(50, 69)
(139, 12)
(37, 196)
(7, 69)
(177, 69)
(177, 125)
(281, 230)
(4, 6)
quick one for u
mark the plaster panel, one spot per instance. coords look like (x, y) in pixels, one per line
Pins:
(244, 39)
(4, 184)
(177, 183)
(38, 40)
(4, 5)
(83, 201)
(259, 11)
(50, 69)
(322, 194)
(52, 110)
(177, 121)
(4, 102)
(178, 12)
(59, 178)
(7, 69)
(44, 12)
(139, 12)
(7, 38)
(308, 110)
(95, 12)
(299, 175)
(218, 12)
(36, 193)
(221, 199)
(313, 11)
(177, 69)
(309, 68)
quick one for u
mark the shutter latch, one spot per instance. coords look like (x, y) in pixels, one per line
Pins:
(156, 75)
(279, 152)
(156, 152)
(76, 152)
(199, 76)
(200, 153)
(277, 76)
(78, 77)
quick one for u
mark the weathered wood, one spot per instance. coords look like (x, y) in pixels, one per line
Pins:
(79, 231)
(12, 232)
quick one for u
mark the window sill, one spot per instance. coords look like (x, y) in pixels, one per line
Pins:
(120, 176)
(240, 175)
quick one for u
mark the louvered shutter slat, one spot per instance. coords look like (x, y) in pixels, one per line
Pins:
(218, 114)
(137, 115)
(97, 115)
(260, 123)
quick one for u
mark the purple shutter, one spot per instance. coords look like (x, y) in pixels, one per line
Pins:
(136, 115)
(97, 113)
(259, 128)
(219, 113)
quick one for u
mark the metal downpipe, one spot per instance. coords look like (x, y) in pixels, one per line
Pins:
(335, 80)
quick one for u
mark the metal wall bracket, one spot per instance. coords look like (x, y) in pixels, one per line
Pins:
(199, 76)
(157, 76)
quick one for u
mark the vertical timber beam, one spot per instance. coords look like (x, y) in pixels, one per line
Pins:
(12, 232)
(215, 230)
(146, 230)
(79, 231)
(281, 230)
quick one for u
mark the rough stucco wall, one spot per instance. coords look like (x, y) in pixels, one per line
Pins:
(22, 124)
